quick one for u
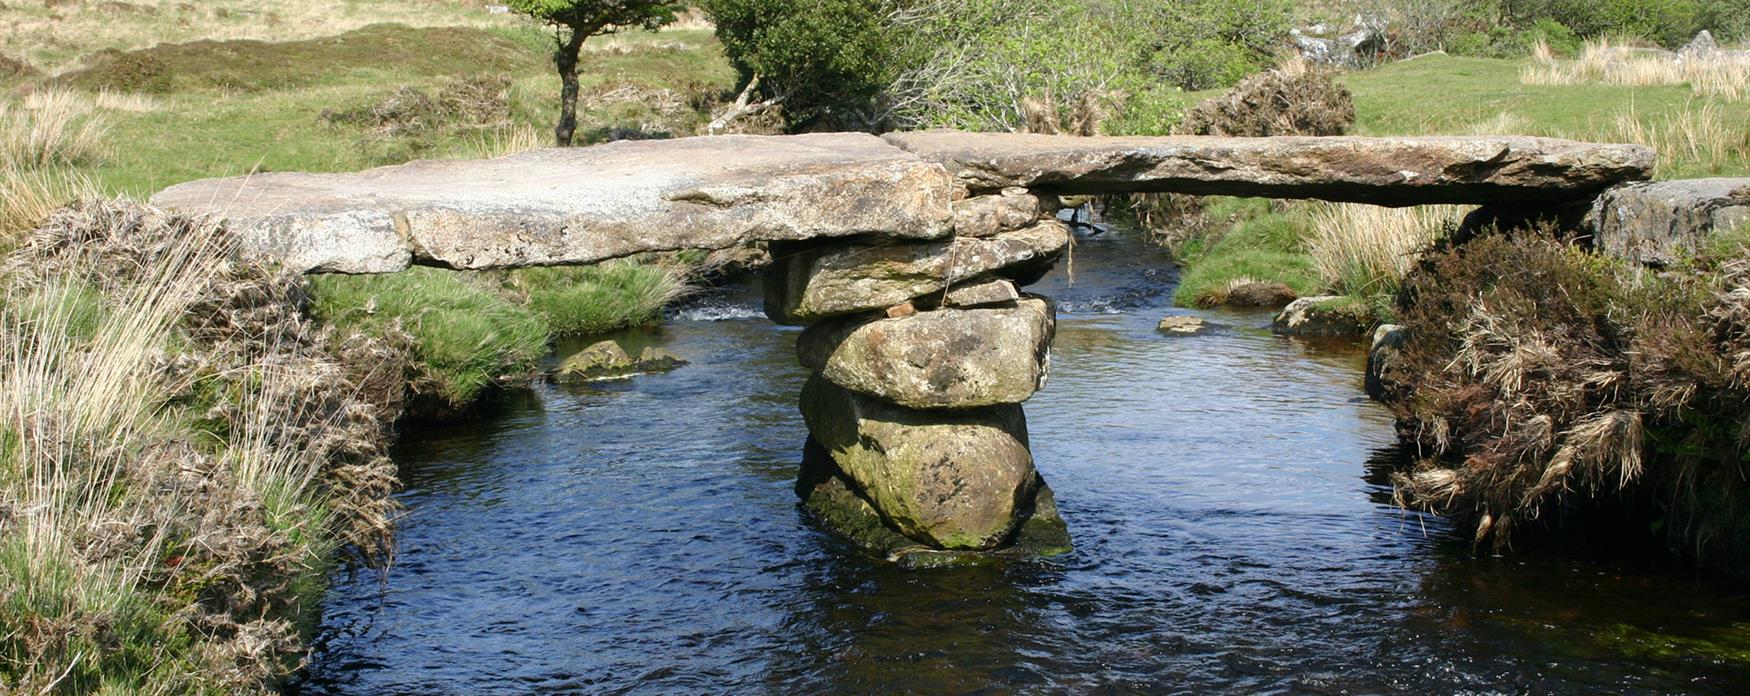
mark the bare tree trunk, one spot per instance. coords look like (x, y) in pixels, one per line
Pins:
(743, 106)
(565, 55)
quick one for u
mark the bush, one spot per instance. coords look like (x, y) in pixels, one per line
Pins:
(464, 338)
(1620, 399)
(1295, 98)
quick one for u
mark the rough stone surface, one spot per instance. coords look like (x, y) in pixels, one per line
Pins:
(1258, 293)
(1326, 316)
(948, 358)
(950, 479)
(996, 291)
(1183, 325)
(985, 216)
(1382, 384)
(806, 285)
(581, 205)
(832, 501)
(1656, 223)
(1384, 171)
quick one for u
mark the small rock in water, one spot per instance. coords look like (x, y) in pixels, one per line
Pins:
(607, 360)
(655, 359)
(1184, 326)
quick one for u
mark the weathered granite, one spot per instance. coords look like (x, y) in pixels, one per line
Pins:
(1384, 171)
(1383, 383)
(805, 285)
(581, 205)
(947, 358)
(983, 293)
(988, 215)
(951, 479)
(1330, 316)
(1656, 223)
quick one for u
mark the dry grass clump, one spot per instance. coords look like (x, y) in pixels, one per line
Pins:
(1697, 137)
(1722, 73)
(181, 454)
(1294, 98)
(1544, 383)
(1367, 249)
(51, 128)
(29, 194)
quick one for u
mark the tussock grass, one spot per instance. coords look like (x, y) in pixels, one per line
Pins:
(464, 336)
(29, 194)
(1601, 61)
(1253, 243)
(51, 128)
(180, 458)
(1366, 249)
(1699, 138)
(598, 299)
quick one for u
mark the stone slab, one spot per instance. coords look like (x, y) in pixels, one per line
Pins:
(581, 205)
(1395, 171)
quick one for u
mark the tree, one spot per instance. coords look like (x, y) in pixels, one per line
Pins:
(574, 21)
(826, 61)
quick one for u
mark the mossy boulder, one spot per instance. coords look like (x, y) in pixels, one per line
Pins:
(1331, 316)
(607, 360)
(956, 479)
(832, 501)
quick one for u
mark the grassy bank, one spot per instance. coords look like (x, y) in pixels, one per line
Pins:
(182, 457)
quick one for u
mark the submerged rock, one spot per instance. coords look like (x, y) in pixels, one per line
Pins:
(1330, 316)
(950, 479)
(807, 285)
(1383, 383)
(1657, 223)
(607, 360)
(1184, 326)
(947, 358)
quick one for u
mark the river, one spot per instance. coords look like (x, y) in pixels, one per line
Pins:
(1226, 495)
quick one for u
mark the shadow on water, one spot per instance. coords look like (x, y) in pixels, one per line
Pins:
(1228, 493)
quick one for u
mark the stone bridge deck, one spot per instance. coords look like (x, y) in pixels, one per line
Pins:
(582, 205)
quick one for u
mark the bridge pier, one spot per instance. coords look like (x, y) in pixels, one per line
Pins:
(921, 355)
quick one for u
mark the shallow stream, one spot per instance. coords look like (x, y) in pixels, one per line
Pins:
(1225, 493)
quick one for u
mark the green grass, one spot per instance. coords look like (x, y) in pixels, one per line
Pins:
(203, 129)
(1258, 243)
(597, 299)
(464, 336)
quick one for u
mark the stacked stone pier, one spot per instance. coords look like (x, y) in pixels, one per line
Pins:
(921, 355)
(906, 257)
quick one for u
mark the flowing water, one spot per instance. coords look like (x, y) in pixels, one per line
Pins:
(1225, 493)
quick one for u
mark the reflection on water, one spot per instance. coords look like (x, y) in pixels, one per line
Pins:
(1225, 491)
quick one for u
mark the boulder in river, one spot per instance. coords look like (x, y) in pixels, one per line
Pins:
(1331, 316)
(947, 358)
(1383, 382)
(832, 500)
(1182, 325)
(951, 479)
(607, 360)
(805, 285)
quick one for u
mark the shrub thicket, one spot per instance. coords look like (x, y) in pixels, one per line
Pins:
(1624, 389)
